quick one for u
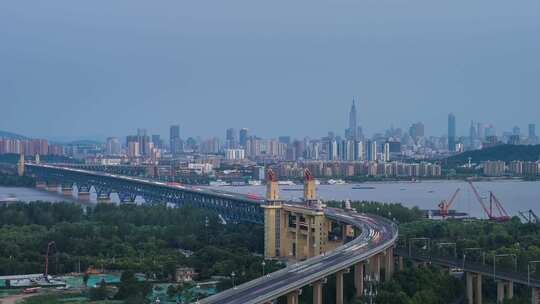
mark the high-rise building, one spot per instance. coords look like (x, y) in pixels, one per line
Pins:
(244, 134)
(174, 139)
(516, 131)
(332, 150)
(231, 138)
(480, 132)
(156, 140)
(133, 149)
(451, 132)
(532, 131)
(353, 123)
(284, 139)
(386, 152)
(416, 130)
(113, 146)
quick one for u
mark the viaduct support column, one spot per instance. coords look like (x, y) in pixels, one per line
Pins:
(510, 290)
(478, 288)
(469, 279)
(292, 298)
(67, 190)
(535, 296)
(359, 279)
(500, 291)
(83, 193)
(52, 187)
(339, 287)
(375, 267)
(389, 264)
(41, 185)
(317, 292)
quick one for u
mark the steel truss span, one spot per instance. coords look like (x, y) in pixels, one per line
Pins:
(232, 206)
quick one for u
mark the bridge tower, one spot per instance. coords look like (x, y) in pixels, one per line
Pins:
(310, 193)
(272, 217)
(20, 166)
(272, 189)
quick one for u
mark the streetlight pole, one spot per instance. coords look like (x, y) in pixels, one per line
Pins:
(425, 239)
(501, 256)
(472, 249)
(531, 263)
(450, 244)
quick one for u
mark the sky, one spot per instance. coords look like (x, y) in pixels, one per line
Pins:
(92, 69)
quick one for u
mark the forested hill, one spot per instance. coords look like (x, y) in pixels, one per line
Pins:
(9, 135)
(502, 152)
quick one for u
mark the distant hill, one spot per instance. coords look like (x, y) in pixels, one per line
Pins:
(9, 135)
(501, 152)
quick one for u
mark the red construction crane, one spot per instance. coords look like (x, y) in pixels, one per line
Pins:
(444, 206)
(51, 244)
(502, 214)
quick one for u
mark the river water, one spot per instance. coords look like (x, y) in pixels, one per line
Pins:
(515, 195)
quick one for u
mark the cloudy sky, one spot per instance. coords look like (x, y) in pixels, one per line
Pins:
(97, 68)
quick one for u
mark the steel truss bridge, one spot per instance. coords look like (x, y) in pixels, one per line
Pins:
(232, 206)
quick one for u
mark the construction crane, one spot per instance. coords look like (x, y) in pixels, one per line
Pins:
(444, 206)
(51, 244)
(529, 217)
(502, 215)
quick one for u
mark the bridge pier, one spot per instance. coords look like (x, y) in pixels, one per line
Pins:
(375, 267)
(83, 193)
(389, 264)
(505, 290)
(52, 187)
(317, 292)
(103, 198)
(359, 279)
(469, 283)
(401, 264)
(41, 185)
(535, 296)
(339, 287)
(67, 190)
(474, 288)
(478, 288)
(292, 297)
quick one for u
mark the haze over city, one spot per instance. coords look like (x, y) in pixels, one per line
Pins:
(100, 68)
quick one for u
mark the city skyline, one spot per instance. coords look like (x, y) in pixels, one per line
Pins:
(258, 66)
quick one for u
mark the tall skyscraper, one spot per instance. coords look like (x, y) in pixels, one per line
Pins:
(174, 139)
(353, 122)
(416, 130)
(532, 130)
(113, 146)
(231, 138)
(516, 131)
(452, 132)
(156, 140)
(244, 134)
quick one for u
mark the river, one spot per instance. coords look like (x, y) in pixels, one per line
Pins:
(515, 195)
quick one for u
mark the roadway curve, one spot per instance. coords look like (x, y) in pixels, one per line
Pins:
(377, 235)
